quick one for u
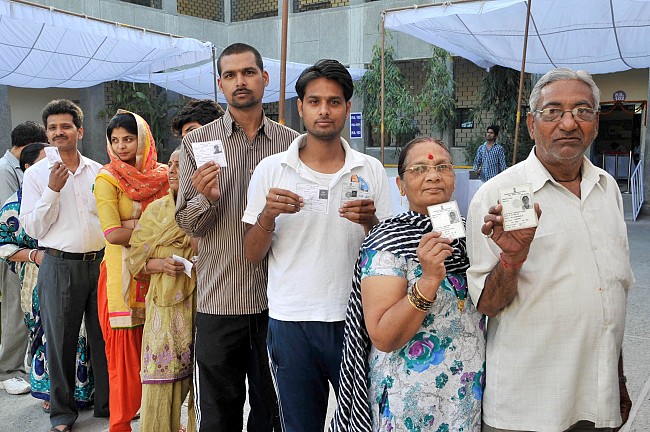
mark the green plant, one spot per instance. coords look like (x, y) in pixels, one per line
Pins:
(400, 107)
(151, 102)
(498, 98)
(437, 97)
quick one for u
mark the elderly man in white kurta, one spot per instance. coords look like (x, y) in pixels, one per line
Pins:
(555, 294)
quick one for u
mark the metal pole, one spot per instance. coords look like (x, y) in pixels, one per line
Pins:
(214, 71)
(283, 59)
(521, 86)
(381, 129)
(629, 174)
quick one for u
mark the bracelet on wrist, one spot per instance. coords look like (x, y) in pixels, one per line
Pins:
(29, 255)
(418, 292)
(260, 225)
(510, 266)
(417, 300)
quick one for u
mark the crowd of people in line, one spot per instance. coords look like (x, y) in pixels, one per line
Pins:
(284, 272)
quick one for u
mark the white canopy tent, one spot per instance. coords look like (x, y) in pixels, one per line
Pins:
(44, 47)
(600, 36)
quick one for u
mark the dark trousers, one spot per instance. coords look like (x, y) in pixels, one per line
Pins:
(227, 349)
(67, 290)
(305, 358)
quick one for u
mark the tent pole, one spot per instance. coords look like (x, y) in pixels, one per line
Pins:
(214, 71)
(381, 129)
(283, 60)
(521, 85)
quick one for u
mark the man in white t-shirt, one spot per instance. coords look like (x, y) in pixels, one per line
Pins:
(310, 208)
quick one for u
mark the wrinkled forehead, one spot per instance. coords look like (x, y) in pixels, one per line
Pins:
(428, 152)
(566, 93)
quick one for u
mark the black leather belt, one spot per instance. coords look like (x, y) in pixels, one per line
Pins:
(88, 256)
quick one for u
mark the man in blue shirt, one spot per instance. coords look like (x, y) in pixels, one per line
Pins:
(490, 157)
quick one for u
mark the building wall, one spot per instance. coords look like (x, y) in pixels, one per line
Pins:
(468, 78)
(206, 9)
(633, 82)
(27, 104)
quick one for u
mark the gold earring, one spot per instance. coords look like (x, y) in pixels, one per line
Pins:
(401, 194)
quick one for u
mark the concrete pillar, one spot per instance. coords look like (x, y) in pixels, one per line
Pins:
(227, 13)
(5, 120)
(170, 6)
(93, 144)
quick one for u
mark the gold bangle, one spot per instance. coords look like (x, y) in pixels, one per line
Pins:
(419, 308)
(417, 301)
(260, 225)
(419, 293)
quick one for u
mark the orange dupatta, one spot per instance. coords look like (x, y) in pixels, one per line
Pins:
(142, 183)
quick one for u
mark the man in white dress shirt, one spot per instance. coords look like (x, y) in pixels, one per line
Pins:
(59, 210)
(555, 294)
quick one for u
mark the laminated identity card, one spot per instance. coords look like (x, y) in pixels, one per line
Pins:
(206, 151)
(446, 220)
(53, 156)
(518, 207)
(315, 197)
(352, 191)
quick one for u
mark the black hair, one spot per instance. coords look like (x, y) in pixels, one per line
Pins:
(30, 153)
(202, 111)
(494, 128)
(63, 106)
(330, 69)
(240, 48)
(123, 120)
(27, 133)
(401, 163)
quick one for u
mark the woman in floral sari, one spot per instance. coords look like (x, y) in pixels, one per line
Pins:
(167, 338)
(123, 189)
(23, 257)
(414, 349)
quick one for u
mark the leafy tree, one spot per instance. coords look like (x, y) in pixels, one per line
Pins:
(437, 97)
(400, 107)
(498, 99)
(150, 102)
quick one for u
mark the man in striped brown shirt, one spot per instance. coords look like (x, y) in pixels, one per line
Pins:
(232, 309)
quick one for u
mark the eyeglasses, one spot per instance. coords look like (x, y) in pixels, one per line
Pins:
(422, 169)
(580, 114)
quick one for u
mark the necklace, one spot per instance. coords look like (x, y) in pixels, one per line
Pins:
(460, 295)
(568, 181)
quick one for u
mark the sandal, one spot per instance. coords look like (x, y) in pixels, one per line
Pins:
(67, 428)
(45, 407)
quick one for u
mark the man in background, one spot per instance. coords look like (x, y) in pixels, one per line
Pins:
(490, 157)
(195, 114)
